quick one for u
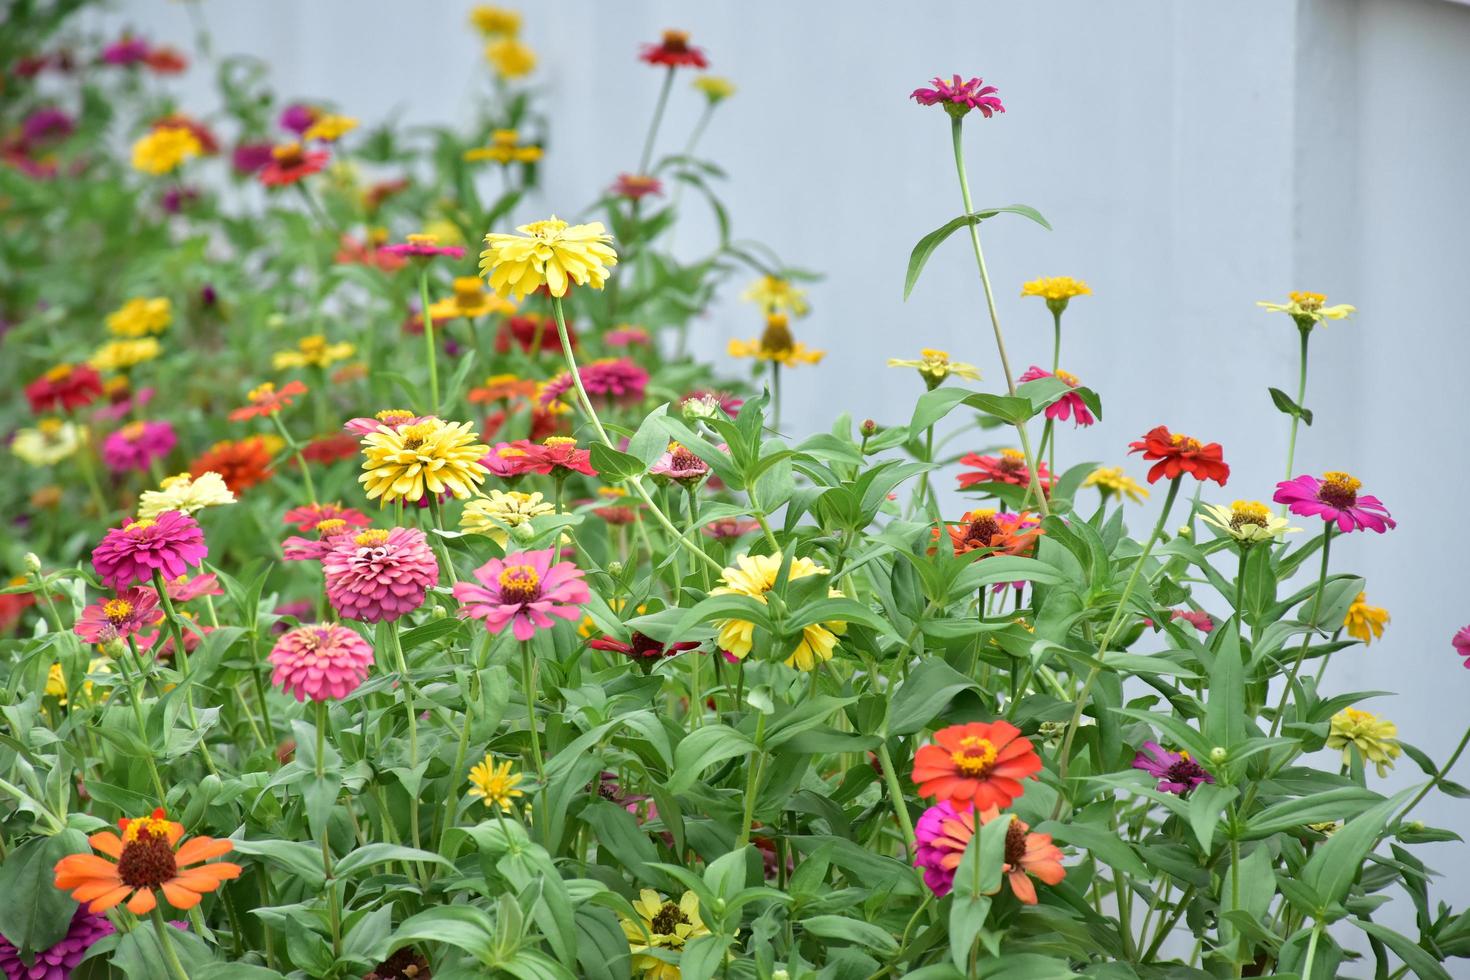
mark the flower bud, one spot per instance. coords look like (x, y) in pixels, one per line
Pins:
(1185, 531)
(33, 563)
(869, 427)
(523, 532)
(615, 569)
(438, 612)
(1218, 755)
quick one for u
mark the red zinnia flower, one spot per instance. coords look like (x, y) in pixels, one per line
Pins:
(640, 647)
(981, 763)
(1002, 534)
(289, 163)
(1008, 467)
(523, 330)
(165, 60)
(330, 449)
(65, 386)
(559, 455)
(674, 51)
(308, 516)
(636, 186)
(1178, 454)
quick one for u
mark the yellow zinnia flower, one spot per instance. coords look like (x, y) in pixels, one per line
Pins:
(1308, 309)
(330, 128)
(934, 366)
(666, 925)
(120, 355)
(430, 456)
(185, 493)
(313, 351)
(494, 784)
(1112, 479)
(493, 515)
(161, 150)
(714, 88)
(51, 441)
(505, 147)
(776, 295)
(1376, 738)
(776, 344)
(495, 21)
(1056, 290)
(141, 316)
(471, 299)
(754, 576)
(1247, 521)
(510, 58)
(1365, 622)
(550, 253)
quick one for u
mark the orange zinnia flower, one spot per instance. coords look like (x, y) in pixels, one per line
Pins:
(980, 764)
(1027, 854)
(265, 400)
(1001, 534)
(242, 463)
(145, 858)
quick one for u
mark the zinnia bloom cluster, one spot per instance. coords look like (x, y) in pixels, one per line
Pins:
(1335, 498)
(523, 590)
(1179, 454)
(169, 544)
(379, 576)
(325, 662)
(141, 316)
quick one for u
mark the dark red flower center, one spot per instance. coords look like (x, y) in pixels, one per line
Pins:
(644, 647)
(676, 42)
(1338, 490)
(147, 861)
(683, 459)
(668, 918)
(1187, 771)
(981, 532)
(1015, 843)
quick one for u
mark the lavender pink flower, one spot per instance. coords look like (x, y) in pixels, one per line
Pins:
(379, 576)
(523, 590)
(137, 445)
(126, 614)
(1335, 497)
(298, 117)
(323, 662)
(170, 544)
(1176, 772)
(249, 158)
(680, 465)
(959, 97)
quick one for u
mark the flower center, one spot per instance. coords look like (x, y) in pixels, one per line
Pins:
(1069, 377)
(1310, 302)
(668, 918)
(1339, 489)
(1012, 460)
(982, 530)
(645, 647)
(423, 239)
(147, 860)
(559, 441)
(1248, 512)
(117, 610)
(330, 526)
(288, 154)
(548, 230)
(1186, 771)
(467, 291)
(414, 436)
(683, 459)
(777, 337)
(133, 431)
(1015, 843)
(371, 538)
(49, 427)
(519, 583)
(1187, 444)
(975, 756)
(59, 373)
(261, 392)
(676, 41)
(140, 527)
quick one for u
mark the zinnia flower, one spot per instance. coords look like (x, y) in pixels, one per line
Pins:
(1335, 498)
(1460, 641)
(186, 494)
(241, 463)
(423, 246)
(942, 834)
(57, 961)
(1198, 619)
(958, 96)
(432, 456)
(1113, 480)
(1176, 772)
(635, 187)
(776, 295)
(510, 57)
(325, 662)
(680, 465)
(548, 253)
(715, 89)
(776, 344)
(313, 351)
(329, 128)
(1247, 521)
(524, 589)
(1375, 738)
(265, 400)
(494, 784)
(298, 117)
(249, 158)
(754, 576)
(1009, 467)
(1009, 533)
(673, 51)
(505, 148)
(65, 386)
(1179, 454)
(640, 648)
(141, 316)
(50, 442)
(934, 366)
(726, 528)
(665, 925)
(379, 576)
(1308, 309)
(289, 163)
(1058, 291)
(627, 335)
(147, 858)
(128, 613)
(120, 355)
(1070, 405)
(310, 516)
(495, 21)
(617, 379)
(137, 445)
(1365, 622)
(502, 388)
(524, 330)
(162, 150)
(471, 299)
(980, 764)
(170, 544)
(496, 513)
(558, 456)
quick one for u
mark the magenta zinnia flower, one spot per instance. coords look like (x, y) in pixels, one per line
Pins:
(308, 516)
(423, 247)
(525, 590)
(1461, 643)
(1176, 772)
(377, 575)
(298, 117)
(57, 962)
(126, 51)
(639, 647)
(249, 158)
(110, 619)
(942, 834)
(136, 445)
(170, 543)
(322, 662)
(959, 97)
(1070, 405)
(1335, 498)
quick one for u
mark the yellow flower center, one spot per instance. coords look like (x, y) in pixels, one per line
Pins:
(468, 291)
(371, 538)
(392, 416)
(548, 230)
(49, 427)
(261, 392)
(135, 527)
(1188, 444)
(288, 154)
(414, 435)
(1069, 377)
(423, 238)
(314, 344)
(1311, 302)
(117, 610)
(559, 441)
(1012, 459)
(930, 354)
(974, 757)
(1248, 512)
(505, 137)
(133, 430)
(330, 526)
(519, 583)
(59, 373)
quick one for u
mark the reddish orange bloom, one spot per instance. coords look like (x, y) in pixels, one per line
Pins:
(1003, 534)
(1008, 467)
(145, 859)
(331, 448)
(503, 387)
(266, 400)
(674, 51)
(289, 163)
(350, 251)
(1027, 855)
(164, 60)
(241, 463)
(1178, 454)
(980, 764)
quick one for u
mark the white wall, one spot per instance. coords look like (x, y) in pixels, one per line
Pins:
(1192, 158)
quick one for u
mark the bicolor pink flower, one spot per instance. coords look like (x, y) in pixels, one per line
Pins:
(680, 465)
(323, 662)
(1070, 405)
(1199, 620)
(958, 96)
(308, 516)
(126, 614)
(46, 125)
(136, 445)
(57, 961)
(1176, 772)
(524, 590)
(626, 335)
(393, 418)
(509, 460)
(1461, 643)
(377, 575)
(128, 50)
(170, 544)
(1334, 498)
(185, 589)
(725, 528)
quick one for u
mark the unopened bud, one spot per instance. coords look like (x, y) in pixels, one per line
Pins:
(276, 321)
(1218, 755)
(438, 612)
(615, 569)
(869, 427)
(1185, 531)
(523, 532)
(33, 563)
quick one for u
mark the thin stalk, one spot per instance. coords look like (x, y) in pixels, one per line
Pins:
(431, 349)
(1438, 776)
(133, 684)
(528, 686)
(752, 780)
(181, 657)
(166, 943)
(1306, 637)
(896, 799)
(445, 559)
(413, 726)
(658, 115)
(321, 773)
(300, 459)
(1311, 951)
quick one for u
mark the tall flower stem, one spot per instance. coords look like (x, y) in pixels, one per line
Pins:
(1301, 395)
(451, 797)
(1307, 635)
(1107, 639)
(166, 943)
(776, 395)
(300, 459)
(528, 688)
(413, 724)
(445, 558)
(635, 480)
(431, 349)
(321, 773)
(1056, 340)
(896, 799)
(181, 657)
(658, 115)
(1438, 776)
(752, 780)
(956, 132)
(133, 683)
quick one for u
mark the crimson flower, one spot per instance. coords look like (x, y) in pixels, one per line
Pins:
(1178, 454)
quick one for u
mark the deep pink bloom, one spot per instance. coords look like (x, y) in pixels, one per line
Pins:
(378, 575)
(558, 455)
(422, 246)
(974, 94)
(170, 543)
(942, 834)
(635, 187)
(57, 962)
(325, 662)
(1176, 772)
(124, 402)
(136, 445)
(185, 589)
(1070, 405)
(1199, 620)
(626, 335)
(126, 51)
(298, 117)
(395, 419)
(249, 158)
(1461, 643)
(308, 516)
(509, 460)
(640, 647)
(111, 619)
(617, 379)
(1335, 498)
(680, 465)
(524, 590)
(729, 527)
(46, 125)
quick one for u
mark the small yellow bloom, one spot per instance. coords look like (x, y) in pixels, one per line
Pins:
(495, 21)
(471, 299)
(1112, 479)
(934, 366)
(666, 925)
(443, 232)
(1365, 622)
(329, 128)
(162, 150)
(1308, 309)
(141, 316)
(50, 442)
(427, 457)
(313, 351)
(1247, 521)
(510, 58)
(56, 684)
(494, 514)
(715, 89)
(56, 681)
(186, 493)
(754, 576)
(776, 344)
(550, 253)
(1058, 291)
(120, 355)
(505, 147)
(494, 784)
(1375, 738)
(776, 295)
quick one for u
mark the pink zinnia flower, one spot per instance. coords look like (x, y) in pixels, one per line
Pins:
(57, 962)
(1199, 620)
(1461, 643)
(524, 590)
(635, 187)
(185, 589)
(249, 158)
(1335, 498)
(168, 544)
(423, 247)
(124, 402)
(323, 662)
(136, 445)
(680, 465)
(615, 378)
(1008, 467)
(393, 418)
(626, 335)
(509, 460)
(1070, 405)
(377, 575)
(729, 527)
(127, 51)
(111, 619)
(1176, 772)
(308, 516)
(298, 117)
(47, 124)
(560, 456)
(960, 97)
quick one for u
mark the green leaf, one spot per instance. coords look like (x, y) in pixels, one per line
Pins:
(1334, 866)
(302, 860)
(701, 749)
(1420, 963)
(1104, 844)
(1205, 803)
(371, 854)
(851, 930)
(34, 913)
(929, 689)
(614, 466)
(926, 245)
(1284, 404)
(461, 926)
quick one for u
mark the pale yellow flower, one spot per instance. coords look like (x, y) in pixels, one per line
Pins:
(1308, 309)
(510, 58)
(427, 457)
(776, 344)
(776, 295)
(50, 442)
(443, 231)
(1112, 479)
(494, 784)
(934, 366)
(1375, 738)
(500, 510)
(550, 253)
(754, 576)
(329, 128)
(1247, 521)
(665, 925)
(186, 493)
(313, 351)
(141, 316)
(715, 89)
(120, 355)
(162, 150)
(505, 147)
(1365, 622)
(495, 21)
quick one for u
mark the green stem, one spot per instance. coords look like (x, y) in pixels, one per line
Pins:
(776, 395)
(896, 798)
(1311, 951)
(413, 725)
(431, 350)
(265, 711)
(752, 780)
(528, 689)
(1056, 341)
(133, 684)
(1301, 394)
(445, 559)
(181, 657)
(1307, 636)
(658, 115)
(1438, 776)
(166, 943)
(300, 459)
